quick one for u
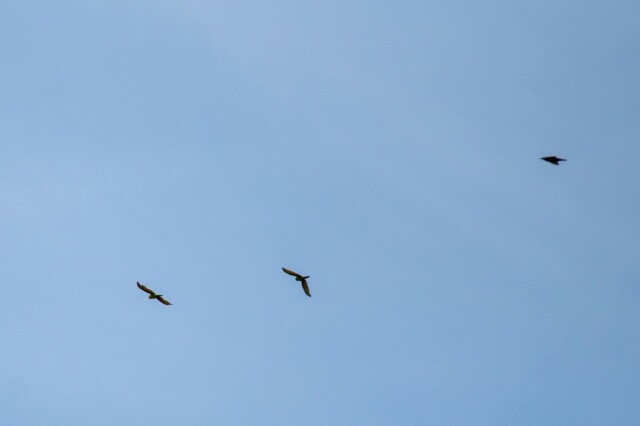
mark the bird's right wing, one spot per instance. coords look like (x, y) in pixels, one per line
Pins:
(145, 289)
(305, 287)
(295, 274)
(163, 300)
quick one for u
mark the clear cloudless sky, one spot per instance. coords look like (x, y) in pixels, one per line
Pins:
(388, 149)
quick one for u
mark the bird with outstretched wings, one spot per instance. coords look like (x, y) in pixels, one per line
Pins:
(553, 160)
(301, 278)
(152, 294)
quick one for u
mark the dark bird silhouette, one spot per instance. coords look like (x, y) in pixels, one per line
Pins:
(153, 295)
(553, 160)
(300, 278)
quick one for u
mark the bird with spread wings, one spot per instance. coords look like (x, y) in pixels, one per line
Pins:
(553, 160)
(152, 294)
(301, 278)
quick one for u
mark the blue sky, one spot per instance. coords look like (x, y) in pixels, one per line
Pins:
(390, 151)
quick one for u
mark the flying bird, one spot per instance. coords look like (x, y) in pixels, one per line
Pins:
(152, 294)
(553, 160)
(300, 278)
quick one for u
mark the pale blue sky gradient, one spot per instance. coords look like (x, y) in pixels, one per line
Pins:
(391, 151)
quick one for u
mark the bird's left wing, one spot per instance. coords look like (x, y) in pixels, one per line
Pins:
(144, 288)
(290, 272)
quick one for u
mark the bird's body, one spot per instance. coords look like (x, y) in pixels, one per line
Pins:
(553, 159)
(153, 295)
(301, 278)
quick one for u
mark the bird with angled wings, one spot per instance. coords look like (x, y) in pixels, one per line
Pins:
(553, 160)
(301, 278)
(153, 295)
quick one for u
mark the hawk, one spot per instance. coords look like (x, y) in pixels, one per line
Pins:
(152, 294)
(553, 160)
(300, 278)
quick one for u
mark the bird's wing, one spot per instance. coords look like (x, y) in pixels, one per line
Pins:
(163, 300)
(295, 274)
(305, 287)
(145, 289)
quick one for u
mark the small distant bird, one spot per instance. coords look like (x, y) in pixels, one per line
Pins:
(553, 160)
(152, 295)
(300, 278)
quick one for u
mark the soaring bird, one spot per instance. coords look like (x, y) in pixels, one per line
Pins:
(152, 295)
(553, 160)
(300, 278)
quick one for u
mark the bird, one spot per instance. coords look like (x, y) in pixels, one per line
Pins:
(553, 160)
(301, 278)
(153, 295)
